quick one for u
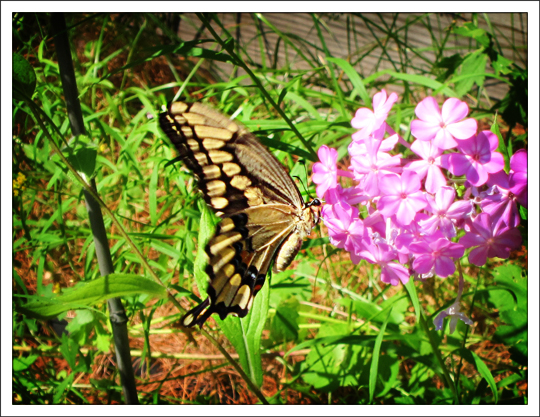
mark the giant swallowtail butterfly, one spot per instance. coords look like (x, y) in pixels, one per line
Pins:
(263, 215)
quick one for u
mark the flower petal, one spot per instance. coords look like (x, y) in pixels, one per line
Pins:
(428, 111)
(454, 110)
(422, 130)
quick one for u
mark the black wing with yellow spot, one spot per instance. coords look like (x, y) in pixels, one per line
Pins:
(264, 217)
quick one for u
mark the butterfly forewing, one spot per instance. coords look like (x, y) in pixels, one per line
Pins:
(263, 214)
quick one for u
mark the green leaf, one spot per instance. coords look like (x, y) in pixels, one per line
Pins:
(514, 315)
(354, 78)
(514, 106)
(285, 322)
(81, 319)
(486, 373)
(166, 249)
(24, 78)
(245, 335)
(425, 81)
(524, 215)
(482, 369)
(473, 68)
(374, 368)
(413, 296)
(62, 387)
(331, 365)
(388, 372)
(502, 145)
(286, 286)
(372, 312)
(84, 161)
(152, 194)
(502, 65)
(69, 349)
(22, 363)
(304, 104)
(282, 96)
(451, 64)
(86, 294)
(470, 30)
(103, 339)
(206, 231)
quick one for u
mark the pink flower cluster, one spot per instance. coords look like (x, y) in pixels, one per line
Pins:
(404, 214)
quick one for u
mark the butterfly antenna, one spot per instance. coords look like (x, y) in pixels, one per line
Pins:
(303, 162)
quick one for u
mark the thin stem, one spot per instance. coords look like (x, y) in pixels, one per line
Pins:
(470, 315)
(438, 356)
(240, 63)
(118, 316)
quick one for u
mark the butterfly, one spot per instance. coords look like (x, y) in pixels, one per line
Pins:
(264, 218)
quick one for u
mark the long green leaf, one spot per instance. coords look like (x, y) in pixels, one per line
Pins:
(244, 334)
(356, 81)
(482, 369)
(86, 294)
(374, 368)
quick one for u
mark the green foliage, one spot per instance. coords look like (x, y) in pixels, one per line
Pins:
(91, 293)
(24, 78)
(513, 310)
(363, 342)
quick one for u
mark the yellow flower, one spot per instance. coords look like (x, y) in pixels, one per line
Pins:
(21, 178)
(18, 183)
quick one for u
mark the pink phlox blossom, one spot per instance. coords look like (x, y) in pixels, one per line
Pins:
(345, 229)
(334, 196)
(409, 234)
(325, 172)
(354, 195)
(383, 255)
(472, 193)
(375, 223)
(429, 166)
(490, 240)
(369, 169)
(401, 212)
(365, 137)
(455, 314)
(443, 127)
(439, 254)
(373, 144)
(359, 146)
(518, 162)
(393, 233)
(367, 120)
(401, 195)
(357, 149)
(423, 240)
(445, 212)
(477, 158)
(390, 234)
(351, 195)
(518, 177)
(500, 202)
(389, 143)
